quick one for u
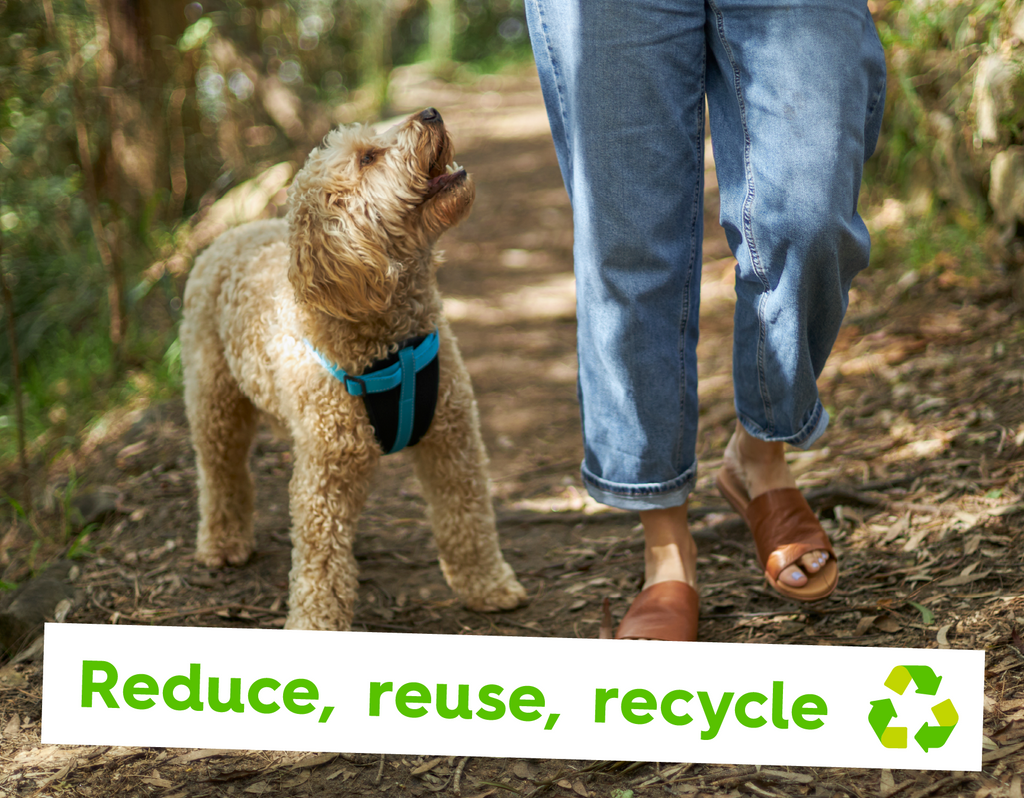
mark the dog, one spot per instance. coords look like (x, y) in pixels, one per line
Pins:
(285, 318)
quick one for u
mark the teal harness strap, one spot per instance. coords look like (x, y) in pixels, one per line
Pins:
(406, 399)
(402, 375)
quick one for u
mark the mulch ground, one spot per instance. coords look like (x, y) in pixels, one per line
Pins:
(919, 482)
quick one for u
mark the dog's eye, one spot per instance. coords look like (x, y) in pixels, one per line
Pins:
(368, 158)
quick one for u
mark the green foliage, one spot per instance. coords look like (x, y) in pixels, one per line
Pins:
(933, 48)
(941, 241)
(80, 548)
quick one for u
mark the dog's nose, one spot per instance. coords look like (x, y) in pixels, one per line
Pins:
(431, 115)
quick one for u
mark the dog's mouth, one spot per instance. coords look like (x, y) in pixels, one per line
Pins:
(439, 179)
(444, 172)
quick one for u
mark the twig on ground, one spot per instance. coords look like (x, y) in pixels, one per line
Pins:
(456, 781)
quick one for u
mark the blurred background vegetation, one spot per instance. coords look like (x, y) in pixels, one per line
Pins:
(121, 124)
(124, 125)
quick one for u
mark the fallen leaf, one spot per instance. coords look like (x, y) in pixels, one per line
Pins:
(202, 753)
(785, 775)
(886, 783)
(999, 753)
(433, 763)
(523, 770)
(258, 788)
(864, 624)
(579, 789)
(889, 624)
(158, 782)
(299, 780)
(927, 616)
(941, 635)
(963, 579)
(13, 725)
(313, 760)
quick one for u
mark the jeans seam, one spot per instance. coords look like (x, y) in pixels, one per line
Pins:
(694, 254)
(745, 213)
(559, 89)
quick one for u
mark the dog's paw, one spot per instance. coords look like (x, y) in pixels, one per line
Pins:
(219, 555)
(504, 594)
(304, 620)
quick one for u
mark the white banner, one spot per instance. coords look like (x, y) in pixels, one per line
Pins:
(360, 692)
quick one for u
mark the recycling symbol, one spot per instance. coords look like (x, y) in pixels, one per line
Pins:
(928, 736)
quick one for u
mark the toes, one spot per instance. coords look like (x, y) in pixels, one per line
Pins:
(812, 562)
(792, 575)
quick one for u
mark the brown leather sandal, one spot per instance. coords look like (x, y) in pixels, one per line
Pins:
(663, 611)
(785, 528)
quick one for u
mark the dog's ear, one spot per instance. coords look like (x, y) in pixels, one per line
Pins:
(335, 267)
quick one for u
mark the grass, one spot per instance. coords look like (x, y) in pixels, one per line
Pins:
(74, 379)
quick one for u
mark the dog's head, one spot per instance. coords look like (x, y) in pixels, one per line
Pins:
(365, 207)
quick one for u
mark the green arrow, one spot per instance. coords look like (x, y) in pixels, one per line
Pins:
(932, 736)
(898, 680)
(945, 713)
(882, 711)
(925, 679)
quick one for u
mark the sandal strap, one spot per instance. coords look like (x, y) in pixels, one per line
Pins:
(664, 611)
(785, 528)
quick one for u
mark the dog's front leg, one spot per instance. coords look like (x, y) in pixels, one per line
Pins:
(451, 465)
(327, 493)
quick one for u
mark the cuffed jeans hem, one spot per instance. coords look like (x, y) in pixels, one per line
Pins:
(647, 496)
(803, 439)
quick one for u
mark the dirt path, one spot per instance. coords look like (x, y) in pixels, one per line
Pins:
(920, 486)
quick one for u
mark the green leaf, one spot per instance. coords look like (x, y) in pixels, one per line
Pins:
(994, 494)
(927, 616)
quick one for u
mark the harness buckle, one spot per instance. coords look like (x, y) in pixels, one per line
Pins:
(358, 381)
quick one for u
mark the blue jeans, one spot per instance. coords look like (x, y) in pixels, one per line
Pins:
(795, 91)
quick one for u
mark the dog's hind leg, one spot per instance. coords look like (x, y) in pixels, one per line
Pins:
(327, 492)
(223, 423)
(451, 465)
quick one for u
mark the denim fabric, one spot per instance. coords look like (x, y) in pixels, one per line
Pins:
(795, 91)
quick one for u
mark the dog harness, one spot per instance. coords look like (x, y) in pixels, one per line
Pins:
(400, 392)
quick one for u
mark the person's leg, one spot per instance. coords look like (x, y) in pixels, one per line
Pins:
(623, 84)
(624, 88)
(796, 95)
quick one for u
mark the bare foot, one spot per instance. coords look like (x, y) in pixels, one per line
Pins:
(670, 553)
(761, 466)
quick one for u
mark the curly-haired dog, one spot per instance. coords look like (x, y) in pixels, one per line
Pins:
(347, 279)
